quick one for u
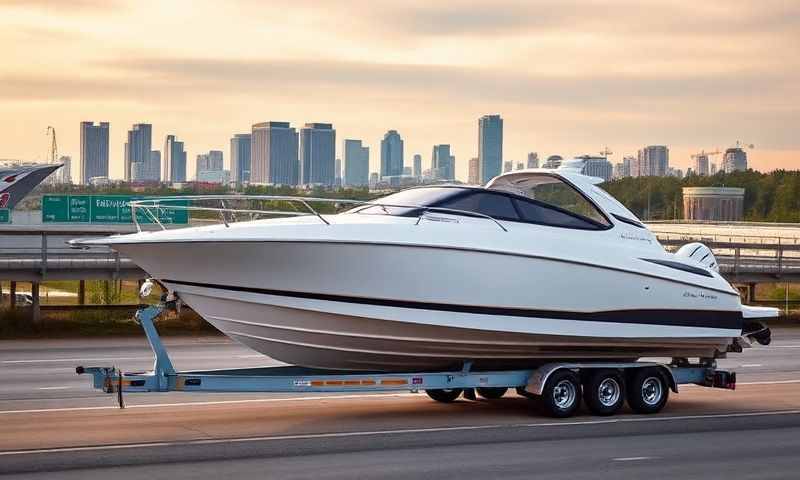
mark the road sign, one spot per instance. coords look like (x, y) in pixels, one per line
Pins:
(5, 215)
(104, 209)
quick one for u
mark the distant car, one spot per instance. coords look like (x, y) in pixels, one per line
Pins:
(22, 299)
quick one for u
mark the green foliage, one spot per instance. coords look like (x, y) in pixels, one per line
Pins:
(769, 197)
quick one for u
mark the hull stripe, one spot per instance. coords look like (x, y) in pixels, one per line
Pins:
(683, 318)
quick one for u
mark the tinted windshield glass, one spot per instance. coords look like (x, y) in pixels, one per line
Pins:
(423, 197)
(552, 190)
(487, 203)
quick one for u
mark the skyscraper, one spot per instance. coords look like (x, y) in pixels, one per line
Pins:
(735, 159)
(94, 150)
(64, 174)
(533, 160)
(338, 172)
(700, 164)
(240, 158)
(273, 149)
(442, 163)
(209, 162)
(473, 177)
(391, 154)
(597, 167)
(653, 161)
(154, 166)
(356, 164)
(174, 161)
(490, 146)
(508, 166)
(137, 152)
(317, 154)
(417, 165)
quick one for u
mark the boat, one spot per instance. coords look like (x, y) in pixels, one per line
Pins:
(16, 181)
(536, 266)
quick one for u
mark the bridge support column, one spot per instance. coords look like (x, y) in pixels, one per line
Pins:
(81, 292)
(12, 295)
(751, 292)
(36, 312)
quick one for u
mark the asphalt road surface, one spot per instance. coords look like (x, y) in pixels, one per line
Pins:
(54, 425)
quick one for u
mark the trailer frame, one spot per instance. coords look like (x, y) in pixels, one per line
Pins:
(527, 382)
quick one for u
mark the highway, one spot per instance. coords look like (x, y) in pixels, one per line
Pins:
(54, 425)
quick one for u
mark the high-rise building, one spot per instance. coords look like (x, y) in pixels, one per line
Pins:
(653, 161)
(473, 176)
(317, 154)
(64, 174)
(373, 179)
(274, 148)
(391, 154)
(700, 166)
(208, 162)
(94, 151)
(597, 167)
(508, 166)
(137, 152)
(443, 163)
(356, 163)
(533, 160)
(417, 165)
(735, 159)
(154, 167)
(553, 161)
(490, 146)
(713, 169)
(520, 166)
(240, 158)
(628, 165)
(174, 164)
(338, 172)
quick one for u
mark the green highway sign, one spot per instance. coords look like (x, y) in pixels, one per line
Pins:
(5, 215)
(105, 209)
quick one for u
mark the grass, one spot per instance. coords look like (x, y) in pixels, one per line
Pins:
(96, 323)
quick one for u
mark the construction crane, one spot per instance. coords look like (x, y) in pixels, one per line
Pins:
(53, 151)
(742, 145)
(606, 152)
(703, 153)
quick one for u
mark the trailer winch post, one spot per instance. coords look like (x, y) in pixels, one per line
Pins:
(162, 365)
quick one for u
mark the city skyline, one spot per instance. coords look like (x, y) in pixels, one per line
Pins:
(678, 75)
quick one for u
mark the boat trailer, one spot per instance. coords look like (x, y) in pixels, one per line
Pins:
(441, 386)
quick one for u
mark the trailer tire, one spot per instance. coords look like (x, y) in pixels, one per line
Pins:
(444, 395)
(561, 395)
(648, 390)
(491, 393)
(604, 392)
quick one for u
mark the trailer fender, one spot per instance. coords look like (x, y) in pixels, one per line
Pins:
(539, 377)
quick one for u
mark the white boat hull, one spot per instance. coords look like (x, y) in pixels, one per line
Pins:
(290, 300)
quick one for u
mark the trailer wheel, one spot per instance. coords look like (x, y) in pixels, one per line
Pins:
(491, 393)
(604, 392)
(444, 395)
(648, 391)
(561, 395)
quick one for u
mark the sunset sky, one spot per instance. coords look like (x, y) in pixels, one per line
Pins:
(568, 77)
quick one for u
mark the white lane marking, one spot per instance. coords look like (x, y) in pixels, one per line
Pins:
(769, 382)
(632, 459)
(55, 360)
(55, 388)
(784, 346)
(371, 433)
(214, 402)
(748, 365)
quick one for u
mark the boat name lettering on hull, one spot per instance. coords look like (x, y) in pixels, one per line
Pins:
(703, 295)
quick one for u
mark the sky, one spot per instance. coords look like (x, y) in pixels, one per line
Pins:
(569, 77)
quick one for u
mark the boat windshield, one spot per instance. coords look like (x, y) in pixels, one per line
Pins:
(498, 204)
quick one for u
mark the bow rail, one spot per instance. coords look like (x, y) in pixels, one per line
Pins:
(151, 207)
